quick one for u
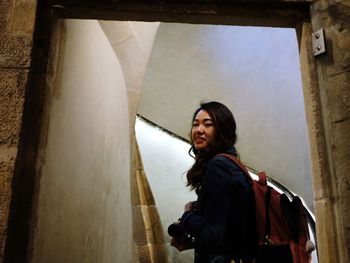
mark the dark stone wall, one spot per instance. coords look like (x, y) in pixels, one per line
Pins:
(16, 38)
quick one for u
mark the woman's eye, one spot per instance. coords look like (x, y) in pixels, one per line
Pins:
(209, 124)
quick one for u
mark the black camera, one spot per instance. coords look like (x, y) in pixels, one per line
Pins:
(176, 229)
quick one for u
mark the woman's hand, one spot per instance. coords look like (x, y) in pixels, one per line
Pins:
(189, 206)
(310, 246)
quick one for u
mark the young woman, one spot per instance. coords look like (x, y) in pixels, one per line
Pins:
(222, 219)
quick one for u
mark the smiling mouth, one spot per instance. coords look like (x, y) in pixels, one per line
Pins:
(199, 140)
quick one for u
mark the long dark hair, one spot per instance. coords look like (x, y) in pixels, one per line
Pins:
(224, 138)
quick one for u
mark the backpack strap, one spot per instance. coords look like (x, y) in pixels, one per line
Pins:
(263, 182)
(239, 164)
(262, 178)
(267, 216)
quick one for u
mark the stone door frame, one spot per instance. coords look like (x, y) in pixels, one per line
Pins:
(298, 14)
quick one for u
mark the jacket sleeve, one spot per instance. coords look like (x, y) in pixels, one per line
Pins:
(209, 227)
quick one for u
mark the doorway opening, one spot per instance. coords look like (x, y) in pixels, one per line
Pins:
(57, 93)
(255, 71)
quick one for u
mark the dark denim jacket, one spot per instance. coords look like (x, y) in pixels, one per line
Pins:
(224, 222)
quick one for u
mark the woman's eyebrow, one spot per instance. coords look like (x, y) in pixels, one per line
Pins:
(205, 119)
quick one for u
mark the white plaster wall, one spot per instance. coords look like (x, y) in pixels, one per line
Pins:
(84, 199)
(255, 72)
(165, 162)
(132, 43)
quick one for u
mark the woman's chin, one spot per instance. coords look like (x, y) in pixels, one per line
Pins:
(200, 147)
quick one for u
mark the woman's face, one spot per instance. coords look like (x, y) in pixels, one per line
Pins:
(203, 130)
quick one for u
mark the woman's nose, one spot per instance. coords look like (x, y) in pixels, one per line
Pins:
(200, 128)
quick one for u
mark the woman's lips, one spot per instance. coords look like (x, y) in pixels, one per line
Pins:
(199, 140)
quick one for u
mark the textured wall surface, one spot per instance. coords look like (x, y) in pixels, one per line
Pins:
(148, 230)
(16, 28)
(16, 34)
(332, 188)
(11, 101)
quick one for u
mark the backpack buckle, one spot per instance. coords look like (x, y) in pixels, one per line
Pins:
(267, 241)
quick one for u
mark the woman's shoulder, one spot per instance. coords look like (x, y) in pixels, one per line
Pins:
(224, 167)
(217, 174)
(223, 161)
(221, 166)
(221, 173)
